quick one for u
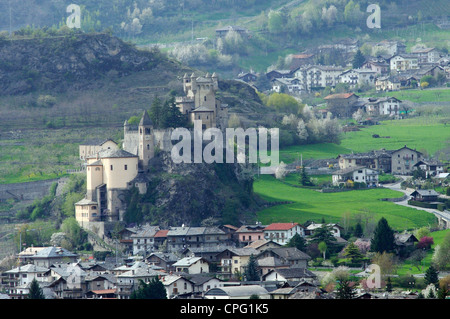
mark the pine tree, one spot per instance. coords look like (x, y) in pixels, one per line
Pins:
(352, 252)
(389, 285)
(383, 238)
(297, 241)
(304, 178)
(358, 230)
(358, 60)
(251, 271)
(35, 291)
(345, 290)
(155, 112)
(431, 276)
(153, 290)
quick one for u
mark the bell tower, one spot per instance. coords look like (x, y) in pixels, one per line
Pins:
(146, 149)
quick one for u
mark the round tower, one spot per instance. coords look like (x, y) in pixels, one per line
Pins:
(146, 141)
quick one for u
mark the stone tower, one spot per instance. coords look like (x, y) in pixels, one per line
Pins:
(146, 149)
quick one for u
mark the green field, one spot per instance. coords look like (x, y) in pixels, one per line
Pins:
(427, 95)
(421, 133)
(408, 268)
(308, 204)
(424, 133)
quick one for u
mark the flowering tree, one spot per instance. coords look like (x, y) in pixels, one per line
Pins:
(425, 242)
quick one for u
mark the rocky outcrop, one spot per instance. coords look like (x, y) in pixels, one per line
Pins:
(190, 193)
(72, 61)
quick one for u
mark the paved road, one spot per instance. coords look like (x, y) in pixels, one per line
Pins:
(396, 187)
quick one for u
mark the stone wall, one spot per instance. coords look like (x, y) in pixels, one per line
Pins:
(26, 191)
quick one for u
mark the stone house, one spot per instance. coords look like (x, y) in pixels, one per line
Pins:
(403, 160)
(342, 105)
(377, 159)
(143, 240)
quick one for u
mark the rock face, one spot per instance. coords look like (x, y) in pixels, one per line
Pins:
(72, 61)
(190, 193)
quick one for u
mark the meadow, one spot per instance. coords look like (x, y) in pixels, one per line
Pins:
(408, 268)
(309, 204)
(427, 134)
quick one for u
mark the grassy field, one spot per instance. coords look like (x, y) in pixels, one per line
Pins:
(308, 204)
(418, 96)
(421, 133)
(424, 133)
(408, 268)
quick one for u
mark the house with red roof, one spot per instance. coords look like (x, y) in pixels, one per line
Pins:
(281, 233)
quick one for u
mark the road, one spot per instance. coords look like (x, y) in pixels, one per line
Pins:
(396, 186)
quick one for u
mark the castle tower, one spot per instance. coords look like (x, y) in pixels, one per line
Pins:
(146, 141)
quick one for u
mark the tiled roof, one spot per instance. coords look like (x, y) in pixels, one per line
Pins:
(339, 96)
(281, 226)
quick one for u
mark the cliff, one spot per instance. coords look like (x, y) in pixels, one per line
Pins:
(190, 193)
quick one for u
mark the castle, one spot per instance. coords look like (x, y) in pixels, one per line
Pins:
(111, 171)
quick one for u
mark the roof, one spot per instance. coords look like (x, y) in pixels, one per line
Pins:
(202, 109)
(302, 56)
(339, 96)
(426, 192)
(289, 253)
(187, 261)
(288, 273)
(237, 291)
(161, 233)
(348, 170)
(281, 226)
(29, 268)
(145, 120)
(85, 201)
(250, 228)
(110, 153)
(52, 252)
(406, 148)
(261, 242)
(148, 231)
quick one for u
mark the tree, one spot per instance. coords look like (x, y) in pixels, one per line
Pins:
(358, 232)
(297, 241)
(251, 271)
(280, 171)
(383, 238)
(172, 117)
(431, 276)
(352, 252)
(358, 60)
(345, 289)
(425, 242)
(389, 284)
(441, 256)
(35, 291)
(156, 112)
(302, 132)
(323, 248)
(153, 290)
(304, 178)
(323, 234)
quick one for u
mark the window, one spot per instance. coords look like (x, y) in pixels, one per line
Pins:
(125, 167)
(111, 167)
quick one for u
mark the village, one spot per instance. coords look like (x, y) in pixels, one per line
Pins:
(280, 260)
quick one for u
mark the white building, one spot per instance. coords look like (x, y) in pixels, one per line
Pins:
(318, 76)
(281, 233)
(404, 62)
(177, 285)
(383, 106)
(357, 174)
(192, 265)
(237, 292)
(335, 229)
